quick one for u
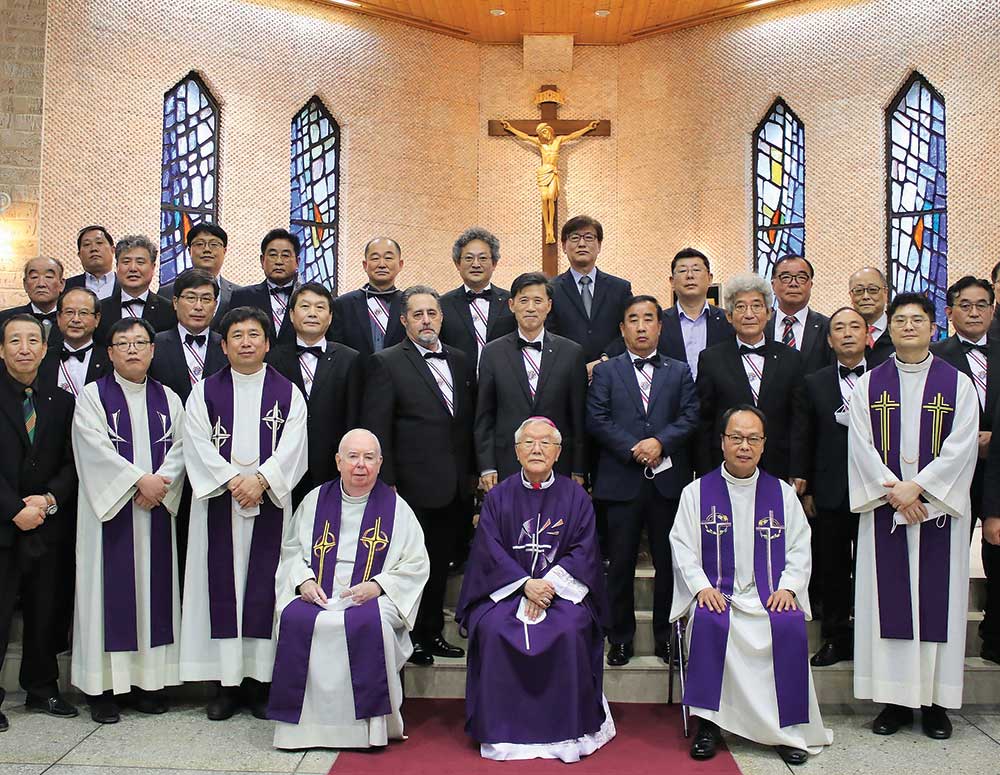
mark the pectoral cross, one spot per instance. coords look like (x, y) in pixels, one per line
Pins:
(376, 541)
(113, 434)
(165, 439)
(939, 408)
(534, 545)
(274, 420)
(770, 529)
(219, 434)
(717, 524)
(884, 406)
(322, 546)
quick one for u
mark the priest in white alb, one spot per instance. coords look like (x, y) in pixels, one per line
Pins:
(245, 433)
(913, 444)
(741, 577)
(127, 433)
(353, 566)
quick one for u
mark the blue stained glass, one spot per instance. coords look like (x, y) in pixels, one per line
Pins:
(315, 178)
(779, 187)
(917, 194)
(188, 181)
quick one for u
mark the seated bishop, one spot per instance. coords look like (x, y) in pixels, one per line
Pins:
(353, 566)
(741, 577)
(534, 606)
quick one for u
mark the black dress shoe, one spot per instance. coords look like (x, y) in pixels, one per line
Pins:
(4, 723)
(104, 709)
(619, 654)
(147, 702)
(891, 719)
(935, 722)
(54, 706)
(706, 740)
(421, 656)
(439, 647)
(990, 653)
(830, 654)
(793, 756)
(225, 704)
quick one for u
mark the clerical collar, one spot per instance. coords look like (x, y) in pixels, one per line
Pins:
(738, 481)
(526, 338)
(538, 485)
(321, 344)
(423, 350)
(755, 346)
(355, 499)
(256, 376)
(913, 367)
(130, 386)
(682, 313)
(980, 341)
(467, 289)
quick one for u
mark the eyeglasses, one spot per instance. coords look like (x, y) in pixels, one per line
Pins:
(968, 306)
(866, 290)
(476, 259)
(690, 271)
(202, 244)
(739, 439)
(545, 444)
(140, 347)
(588, 237)
(194, 298)
(756, 307)
(916, 320)
(785, 278)
(83, 314)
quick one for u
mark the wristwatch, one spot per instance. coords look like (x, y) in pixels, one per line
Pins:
(52, 506)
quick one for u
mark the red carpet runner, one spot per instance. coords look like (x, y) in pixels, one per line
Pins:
(649, 742)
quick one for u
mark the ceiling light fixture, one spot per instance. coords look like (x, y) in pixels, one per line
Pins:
(497, 12)
(602, 12)
(348, 3)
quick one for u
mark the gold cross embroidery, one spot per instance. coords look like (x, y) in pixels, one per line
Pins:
(322, 546)
(884, 406)
(376, 541)
(939, 408)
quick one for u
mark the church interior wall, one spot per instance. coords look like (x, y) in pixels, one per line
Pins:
(417, 163)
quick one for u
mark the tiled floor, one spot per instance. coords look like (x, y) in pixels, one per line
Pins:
(183, 742)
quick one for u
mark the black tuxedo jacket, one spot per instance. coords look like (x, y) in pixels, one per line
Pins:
(157, 310)
(352, 326)
(99, 365)
(828, 452)
(36, 468)
(169, 366)
(259, 296)
(334, 405)
(815, 351)
(569, 319)
(951, 350)
(54, 339)
(505, 402)
(722, 384)
(427, 451)
(457, 328)
(881, 352)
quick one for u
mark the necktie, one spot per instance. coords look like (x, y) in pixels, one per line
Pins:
(640, 362)
(968, 347)
(486, 294)
(441, 355)
(762, 350)
(198, 339)
(521, 343)
(314, 350)
(857, 371)
(788, 337)
(870, 342)
(80, 354)
(29, 414)
(585, 294)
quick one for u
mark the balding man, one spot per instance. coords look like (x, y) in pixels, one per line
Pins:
(869, 295)
(353, 566)
(368, 319)
(42, 281)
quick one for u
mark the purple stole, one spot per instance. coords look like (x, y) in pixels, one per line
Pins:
(265, 545)
(363, 623)
(710, 630)
(892, 556)
(117, 539)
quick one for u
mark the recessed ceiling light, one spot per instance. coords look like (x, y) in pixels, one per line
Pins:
(348, 3)
(602, 12)
(497, 12)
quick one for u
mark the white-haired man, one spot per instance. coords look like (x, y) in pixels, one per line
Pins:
(749, 370)
(353, 566)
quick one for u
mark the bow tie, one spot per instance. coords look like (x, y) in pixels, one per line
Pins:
(371, 293)
(80, 354)
(198, 339)
(762, 350)
(969, 347)
(45, 317)
(130, 302)
(315, 350)
(484, 294)
(441, 355)
(653, 361)
(857, 371)
(284, 290)
(521, 344)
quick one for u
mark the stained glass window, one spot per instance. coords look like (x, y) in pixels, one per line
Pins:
(779, 197)
(315, 173)
(918, 194)
(189, 181)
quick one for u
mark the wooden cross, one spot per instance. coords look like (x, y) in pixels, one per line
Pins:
(548, 100)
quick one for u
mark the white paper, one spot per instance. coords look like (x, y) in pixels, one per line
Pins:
(665, 463)
(523, 616)
(842, 416)
(338, 603)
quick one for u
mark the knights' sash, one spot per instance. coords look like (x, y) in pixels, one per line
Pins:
(265, 544)
(710, 630)
(892, 555)
(117, 538)
(363, 623)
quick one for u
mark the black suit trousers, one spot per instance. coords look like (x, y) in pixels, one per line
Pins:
(440, 526)
(834, 555)
(39, 583)
(626, 519)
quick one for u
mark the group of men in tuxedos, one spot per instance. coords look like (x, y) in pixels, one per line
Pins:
(639, 395)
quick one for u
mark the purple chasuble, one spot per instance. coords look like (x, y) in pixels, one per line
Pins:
(710, 630)
(363, 623)
(892, 555)
(539, 683)
(265, 544)
(117, 538)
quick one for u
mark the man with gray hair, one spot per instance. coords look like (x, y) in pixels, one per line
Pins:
(476, 312)
(43, 281)
(368, 319)
(135, 267)
(421, 409)
(353, 565)
(748, 370)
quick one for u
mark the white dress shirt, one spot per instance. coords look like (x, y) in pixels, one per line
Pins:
(194, 354)
(753, 365)
(977, 365)
(441, 372)
(798, 327)
(308, 363)
(73, 372)
(532, 359)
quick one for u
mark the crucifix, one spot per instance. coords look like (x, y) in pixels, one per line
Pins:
(376, 541)
(326, 542)
(547, 136)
